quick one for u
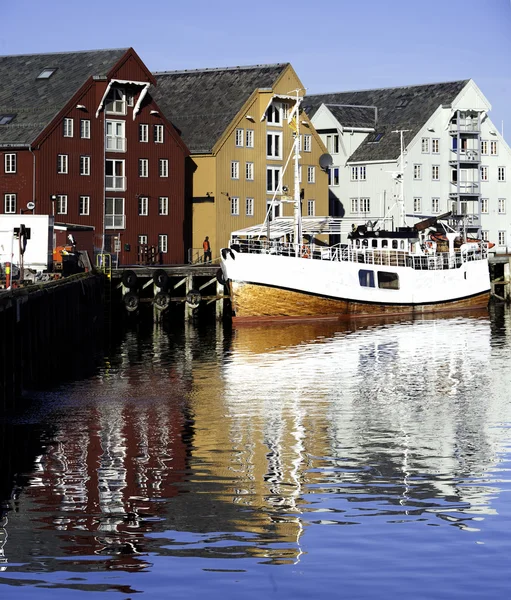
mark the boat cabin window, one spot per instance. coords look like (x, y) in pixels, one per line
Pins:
(384, 243)
(366, 278)
(394, 244)
(365, 243)
(357, 243)
(374, 243)
(388, 281)
(402, 245)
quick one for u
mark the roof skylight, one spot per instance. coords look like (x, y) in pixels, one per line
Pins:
(6, 119)
(46, 73)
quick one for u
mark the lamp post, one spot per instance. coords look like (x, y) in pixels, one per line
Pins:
(53, 199)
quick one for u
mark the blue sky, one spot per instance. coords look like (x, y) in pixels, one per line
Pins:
(339, 45)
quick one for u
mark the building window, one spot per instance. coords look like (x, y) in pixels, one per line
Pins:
(502, 174)
(417, 171)
(249, 207)
(435, 205)
(10, 203)
(84, 165)
(143, 132)
(362, 173)
(332, 143)
(484, 235)
(307, 142)
(163, 205)
(62, 163)
(493, 148)
(158, 134)
(354, 173)
(114, 213)
(274, 144)
(115, 136)
(84, 205)
(484, 173)
(273, 175)
(365, 205)
(502, 206)
(311, 174)
(484, 205)
(250, 138)
(143, 206)
(163, 243)
(416, 205)
(484, 147)
(239, 137)
(435, 172)
(435, 146)
(116, 102)
(10, 163)
(311, 208)
(68, 127)
(425, 145)
(163, 167)
(502, 238)
(235, 169)
(274, 114)
(333, 176)
(143, 167)
(85, 129)
(235, 206)
(142, 239)
(354, 205)
(249, 171)
(114, 175)
(358, 173)
(62, 204)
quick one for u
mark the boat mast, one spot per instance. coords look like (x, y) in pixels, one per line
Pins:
(297, 236)
(400, 176)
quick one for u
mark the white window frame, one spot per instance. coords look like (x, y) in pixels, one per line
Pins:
(274, 139)
(163, 243)
(501, 238)
(158, 134)
(417, 172)
(485, 234)
(435, 172)
(113, 181)
(142, 239)
(484, 147)
(68, 127)
(239, 135)
(249, 141)
(84, 164)
(425, 145)
(417, 204)
(274, 114)
(163, 206)
(484, 173)
(163, 167)
(115, 102)
(235, 206)
(493, 148)
(249, 171)
(274, 180)
(235, 169)
(435, 146)
(364, 205)
(61, 204)
(501, 173)
(10, 204)
(115, 220)
(143, 206)
(435, 205)
(354, 205)
(501, 206)
(362, 173)
(249, 207)
(62, 164)
(143, 133)
(334, 180)
(311, 174)
(115, 135)
(85, 129)
(311, 208)
(143, 167)
(307, 142)
(484, 206)
(10, 163)
(354, 174)
(84, 206)
(332, 143)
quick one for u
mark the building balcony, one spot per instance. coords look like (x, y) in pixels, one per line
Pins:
(115, 183)
(115, 221)
(115, 144)
(468, 127)
(464, 188)
(469, 156)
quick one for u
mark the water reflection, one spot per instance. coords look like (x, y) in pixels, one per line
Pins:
(236, 447)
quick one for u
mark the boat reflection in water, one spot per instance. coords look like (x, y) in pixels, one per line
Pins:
(237, 448)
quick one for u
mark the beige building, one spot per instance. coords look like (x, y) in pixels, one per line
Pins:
(234, 121)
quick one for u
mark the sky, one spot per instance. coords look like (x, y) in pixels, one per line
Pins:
(333, 46)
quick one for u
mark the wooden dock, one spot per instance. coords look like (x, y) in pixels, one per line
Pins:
(500, 277)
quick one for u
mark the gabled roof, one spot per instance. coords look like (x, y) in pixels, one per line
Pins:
(406, 107)
(354, 116)
(35, 101)
(202, 103)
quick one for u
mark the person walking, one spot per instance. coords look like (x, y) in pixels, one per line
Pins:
(207, 249)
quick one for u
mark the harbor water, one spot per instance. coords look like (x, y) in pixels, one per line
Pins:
(368, 459)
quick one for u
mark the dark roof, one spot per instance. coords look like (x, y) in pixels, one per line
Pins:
(354, 116)
(202, 103)
(398, 108)
(35, 102)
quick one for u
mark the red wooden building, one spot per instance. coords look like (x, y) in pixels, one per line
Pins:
(82, 138)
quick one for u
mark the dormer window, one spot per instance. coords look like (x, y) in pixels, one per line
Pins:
(274, 114)
(402, 101)
(116, 101)
(46, 73)
(6, 119)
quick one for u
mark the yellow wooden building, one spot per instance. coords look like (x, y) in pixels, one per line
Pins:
(234, 120)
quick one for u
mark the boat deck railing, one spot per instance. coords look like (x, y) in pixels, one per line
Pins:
(369, 256)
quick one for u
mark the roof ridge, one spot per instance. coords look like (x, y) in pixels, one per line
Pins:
(64, 52)
(397, 87)
(213, 69)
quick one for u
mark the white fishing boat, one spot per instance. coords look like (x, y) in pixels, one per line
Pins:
(285, 269)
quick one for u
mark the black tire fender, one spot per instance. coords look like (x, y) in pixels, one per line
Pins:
(160, 278)
(129, 279)
(162, 301)
(131, 301)
(193, 298)
(220, 277)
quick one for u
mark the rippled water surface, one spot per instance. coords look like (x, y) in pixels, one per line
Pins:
(367, 460)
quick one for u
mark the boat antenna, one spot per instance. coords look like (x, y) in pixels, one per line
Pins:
(294, 123)
(399, 176)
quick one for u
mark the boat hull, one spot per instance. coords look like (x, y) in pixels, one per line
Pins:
(265, 286)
